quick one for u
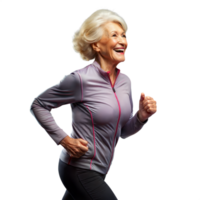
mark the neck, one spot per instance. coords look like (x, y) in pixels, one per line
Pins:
(107, 65)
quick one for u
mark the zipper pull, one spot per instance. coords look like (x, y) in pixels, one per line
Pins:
(113, 89)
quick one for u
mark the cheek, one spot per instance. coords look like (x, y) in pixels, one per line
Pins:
(108, 46)
(111, 43)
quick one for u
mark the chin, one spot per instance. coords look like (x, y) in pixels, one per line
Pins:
(122, 61)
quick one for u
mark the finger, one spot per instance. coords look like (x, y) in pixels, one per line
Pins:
(147, 108)
(154, 101)
(150, 109)
(146, 102)
(142, 96)
(83, 148)
(83, 141)
(148, 96)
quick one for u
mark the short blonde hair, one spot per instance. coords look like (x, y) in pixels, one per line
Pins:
(91, 31)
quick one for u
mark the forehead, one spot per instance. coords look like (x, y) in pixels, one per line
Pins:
(110, 27)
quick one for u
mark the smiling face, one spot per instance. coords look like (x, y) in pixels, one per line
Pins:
(113, 43)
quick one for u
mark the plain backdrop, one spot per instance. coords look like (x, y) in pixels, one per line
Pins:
(140, 161)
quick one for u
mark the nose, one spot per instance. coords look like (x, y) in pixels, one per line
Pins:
(122, 41)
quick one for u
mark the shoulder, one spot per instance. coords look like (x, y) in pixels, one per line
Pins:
(71, 80)
(127, 76)
(75, 78)
(86, 69)
(125, 79)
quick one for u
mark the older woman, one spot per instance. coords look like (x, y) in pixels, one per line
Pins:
(102, 108)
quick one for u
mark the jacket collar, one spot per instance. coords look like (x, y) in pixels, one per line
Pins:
(97, 65)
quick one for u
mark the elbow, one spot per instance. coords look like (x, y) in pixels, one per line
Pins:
(123, 136)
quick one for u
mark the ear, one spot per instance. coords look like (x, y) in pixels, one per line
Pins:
(95, 47)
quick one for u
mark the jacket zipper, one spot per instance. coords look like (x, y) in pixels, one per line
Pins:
(118, 117)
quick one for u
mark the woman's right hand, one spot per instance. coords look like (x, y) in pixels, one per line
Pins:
(75, 147)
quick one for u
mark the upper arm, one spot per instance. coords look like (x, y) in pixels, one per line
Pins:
(64, 92)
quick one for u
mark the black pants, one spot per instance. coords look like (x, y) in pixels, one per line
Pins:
(83, 184)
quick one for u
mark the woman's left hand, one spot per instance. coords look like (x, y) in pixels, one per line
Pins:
(147, 107)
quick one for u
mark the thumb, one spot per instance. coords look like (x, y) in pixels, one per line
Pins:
(142, 97)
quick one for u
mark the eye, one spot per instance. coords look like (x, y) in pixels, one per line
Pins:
(123, 35)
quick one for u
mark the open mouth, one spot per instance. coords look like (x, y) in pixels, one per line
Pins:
(120, 51)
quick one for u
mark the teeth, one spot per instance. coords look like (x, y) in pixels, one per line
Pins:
(119, 50)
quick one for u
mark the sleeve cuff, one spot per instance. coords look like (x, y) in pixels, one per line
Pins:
(140, 121)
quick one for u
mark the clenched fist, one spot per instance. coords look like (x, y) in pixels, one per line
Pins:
(147, 106)
(75, 147)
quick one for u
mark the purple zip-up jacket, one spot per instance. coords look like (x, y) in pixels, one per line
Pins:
(101, 113)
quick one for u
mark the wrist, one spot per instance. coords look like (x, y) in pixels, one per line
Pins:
(65, 140)
(140, 117)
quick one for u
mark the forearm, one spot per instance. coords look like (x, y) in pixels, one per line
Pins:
(132, 126)
(46, 120)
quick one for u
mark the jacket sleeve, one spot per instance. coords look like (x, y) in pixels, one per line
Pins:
(67, 91)
(133, 125)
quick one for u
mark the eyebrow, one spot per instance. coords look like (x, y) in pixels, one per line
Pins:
(116, 32)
